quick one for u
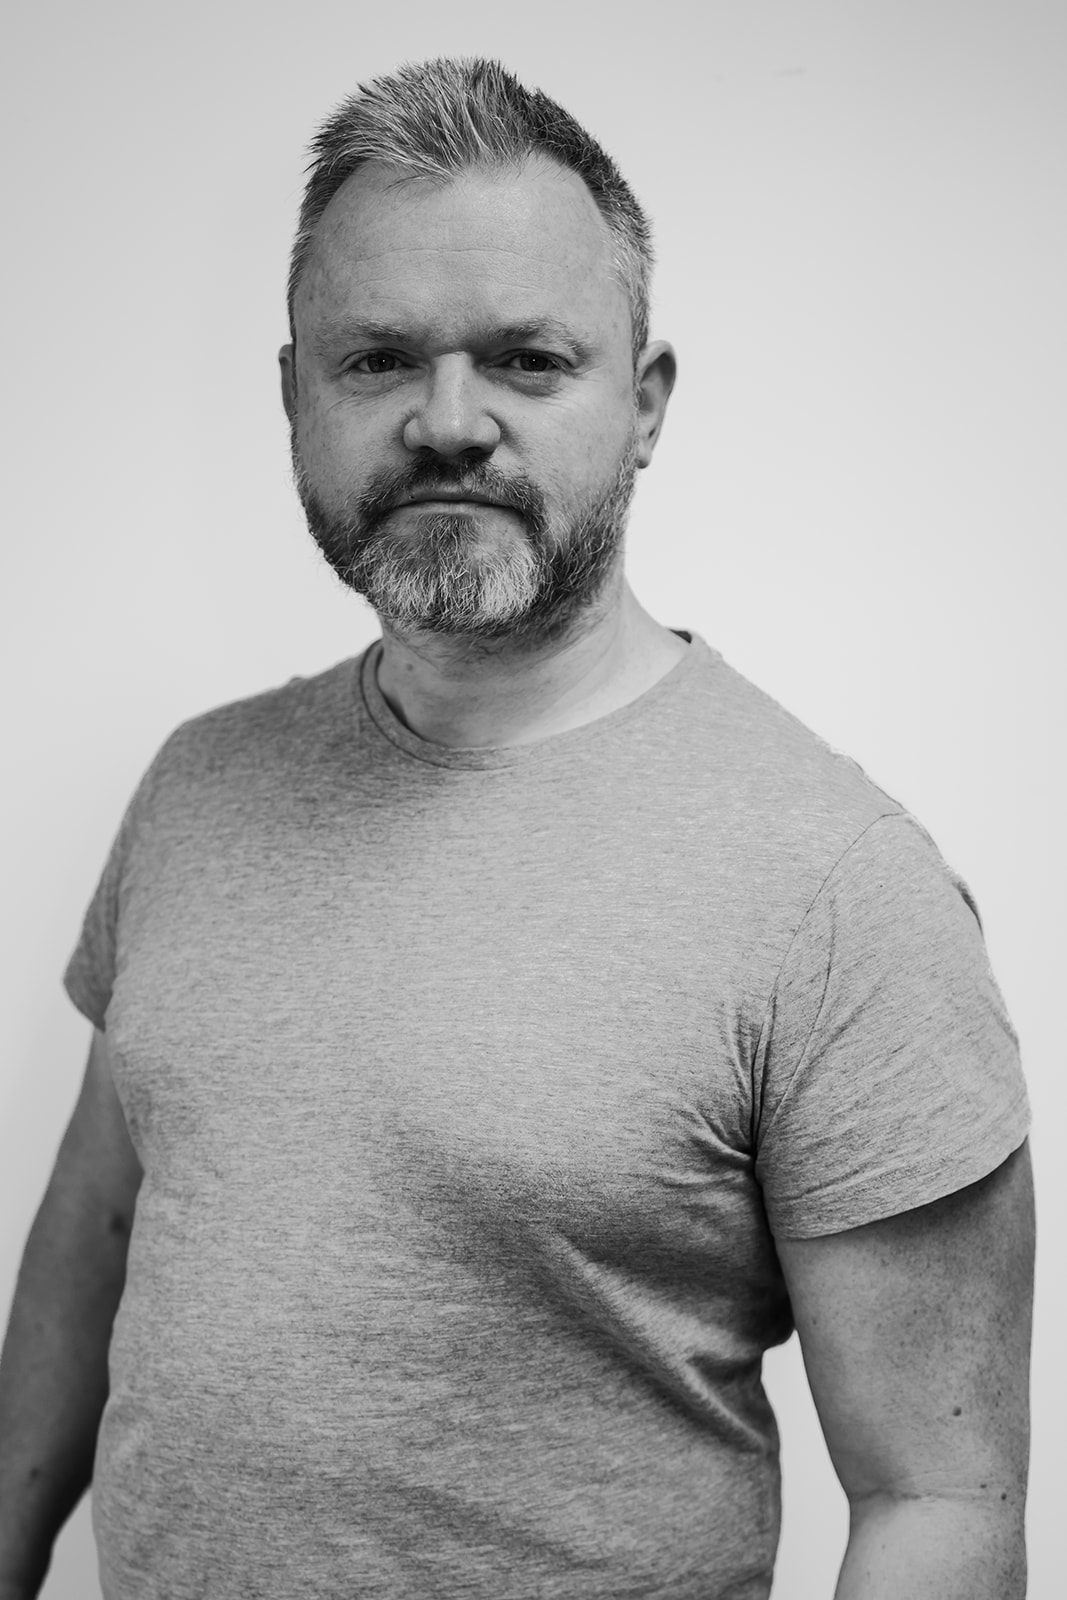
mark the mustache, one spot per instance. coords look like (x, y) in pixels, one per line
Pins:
(479, 478)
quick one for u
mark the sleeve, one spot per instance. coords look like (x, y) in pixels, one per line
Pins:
(90, 973)
(888, 1068)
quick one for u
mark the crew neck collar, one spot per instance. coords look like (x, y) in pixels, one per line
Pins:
(483, 758)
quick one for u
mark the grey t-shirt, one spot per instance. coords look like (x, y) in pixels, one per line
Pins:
(472, 1088)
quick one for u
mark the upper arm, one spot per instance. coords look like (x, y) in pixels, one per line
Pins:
(96, 1155)
(915, 1333)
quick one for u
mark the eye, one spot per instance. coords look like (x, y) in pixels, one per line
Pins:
(377, 363)
(534, 362)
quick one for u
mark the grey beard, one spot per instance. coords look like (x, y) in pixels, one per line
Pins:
(526, 591)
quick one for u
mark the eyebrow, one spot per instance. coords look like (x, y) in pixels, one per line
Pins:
(541, 330)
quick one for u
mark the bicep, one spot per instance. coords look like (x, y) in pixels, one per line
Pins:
(96, 1155)
(915, 1333)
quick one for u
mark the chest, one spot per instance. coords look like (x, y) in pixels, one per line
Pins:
(415, 1012)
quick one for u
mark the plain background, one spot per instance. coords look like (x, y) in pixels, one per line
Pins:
(859, 498)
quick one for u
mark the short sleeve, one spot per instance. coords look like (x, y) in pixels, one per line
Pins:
(888, 1070)
(90, 973)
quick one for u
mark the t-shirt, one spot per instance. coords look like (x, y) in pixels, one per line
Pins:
(472, 1089)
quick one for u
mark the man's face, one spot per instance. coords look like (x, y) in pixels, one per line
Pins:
(468, 340)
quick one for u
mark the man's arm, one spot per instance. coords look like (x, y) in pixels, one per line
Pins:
(53, 1371)
(915, 1333)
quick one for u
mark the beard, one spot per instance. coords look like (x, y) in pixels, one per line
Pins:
(527, 586)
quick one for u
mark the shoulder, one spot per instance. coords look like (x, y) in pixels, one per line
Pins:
(791, 803)
(246, 734)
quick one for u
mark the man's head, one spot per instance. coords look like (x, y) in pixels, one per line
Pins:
(469, 310)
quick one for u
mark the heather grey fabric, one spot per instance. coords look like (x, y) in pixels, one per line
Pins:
(471, 1088)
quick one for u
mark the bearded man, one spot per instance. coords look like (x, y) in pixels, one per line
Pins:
(506, 1036)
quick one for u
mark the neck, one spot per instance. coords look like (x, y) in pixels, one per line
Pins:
(450, 695)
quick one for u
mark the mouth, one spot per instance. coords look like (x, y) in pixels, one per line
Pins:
(454, 498)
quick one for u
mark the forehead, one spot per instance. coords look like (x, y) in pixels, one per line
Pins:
(503, 245)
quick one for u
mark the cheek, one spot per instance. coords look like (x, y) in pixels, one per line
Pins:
(589, 456)
(317, 429)
(335, 445)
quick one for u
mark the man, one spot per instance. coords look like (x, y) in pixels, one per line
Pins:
(503, 1038)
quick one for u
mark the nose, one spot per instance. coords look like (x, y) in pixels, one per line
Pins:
(452, 414)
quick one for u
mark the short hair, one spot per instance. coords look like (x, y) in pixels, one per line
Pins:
(437, 118)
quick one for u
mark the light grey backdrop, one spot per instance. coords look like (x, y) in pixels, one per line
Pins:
(859, 497)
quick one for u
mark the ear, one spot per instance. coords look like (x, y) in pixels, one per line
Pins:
(287, 363)
(654, 378)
